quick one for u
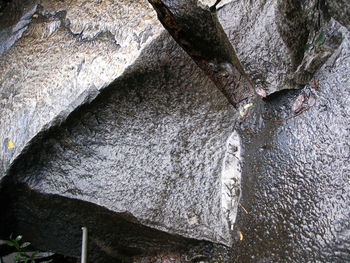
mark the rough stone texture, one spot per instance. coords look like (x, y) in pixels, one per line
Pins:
(296, 177)
(12, 27)
(198, 31)
(295, 172)
(68, 53)
(154, 145)
(53, 223)
(340, 10)
(211, 3)
(270, 38)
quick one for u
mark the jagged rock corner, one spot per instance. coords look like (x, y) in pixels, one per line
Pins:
(105, 122)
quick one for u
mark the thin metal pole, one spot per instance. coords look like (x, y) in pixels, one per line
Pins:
(84, 245)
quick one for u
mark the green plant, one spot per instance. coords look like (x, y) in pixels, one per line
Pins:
(21, 254)
(307, 46)
(320, 39)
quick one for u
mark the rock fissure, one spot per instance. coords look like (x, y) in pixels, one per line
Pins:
(198, 31)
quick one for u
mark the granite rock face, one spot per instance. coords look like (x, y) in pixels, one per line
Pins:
(296, 174)
(340, 10)
(66, 55)
(281, 44)
(153, 145)
(106, 123)
(109, 114)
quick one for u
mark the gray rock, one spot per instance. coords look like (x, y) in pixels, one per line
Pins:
(197, 30)
(296, 172)
(155, 150)
(296, 169)
(13, 26)
(340, 10)
(156, 144)
(275, 40)
(66, 56)
(106, 123)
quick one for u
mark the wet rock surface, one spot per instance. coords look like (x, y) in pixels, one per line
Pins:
(276, 41)
(296, 173)
(68, 52)
(152, 145)
(124, 135)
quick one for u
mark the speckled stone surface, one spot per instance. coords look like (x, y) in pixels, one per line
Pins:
(115, 128)
(68, 52)
(296, 176)
(275, 40)
(154, 144)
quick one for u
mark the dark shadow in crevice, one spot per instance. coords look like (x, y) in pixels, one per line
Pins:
(53, 223)
(281, 94)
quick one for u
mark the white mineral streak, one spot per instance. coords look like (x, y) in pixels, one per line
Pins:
(212, 2)
(231, 178)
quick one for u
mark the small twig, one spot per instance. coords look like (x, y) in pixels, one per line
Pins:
(314, 84)
(245, 210)
(293, 116)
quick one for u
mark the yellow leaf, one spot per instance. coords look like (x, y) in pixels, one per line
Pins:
(10, 144)
(248, 106)
(240, 235)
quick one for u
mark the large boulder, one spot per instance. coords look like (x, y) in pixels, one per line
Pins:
(106, 123)
(281, 44)
(296, 176)
(67, 53)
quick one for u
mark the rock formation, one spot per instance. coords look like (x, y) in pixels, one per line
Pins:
(107, 122)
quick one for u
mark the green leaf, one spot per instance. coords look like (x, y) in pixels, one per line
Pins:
(18, 256)
(25, 244)
(307, 47)
(34, 254)
(18, 238)
(9, 243)
(321, 38)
